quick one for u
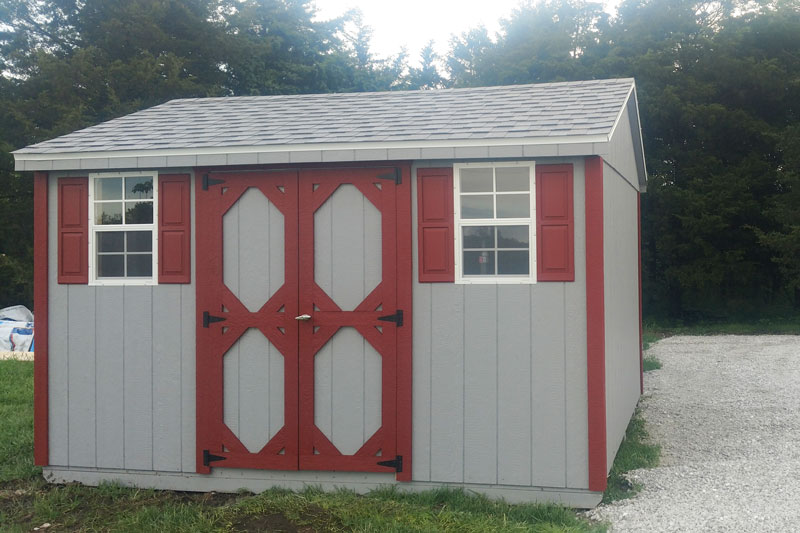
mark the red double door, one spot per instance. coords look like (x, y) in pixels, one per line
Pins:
(303, 320)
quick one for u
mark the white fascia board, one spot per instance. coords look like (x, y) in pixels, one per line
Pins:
(622, 110)
(223, 150)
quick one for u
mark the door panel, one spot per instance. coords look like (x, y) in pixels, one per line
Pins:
(247, 341)
(349, 202)
(320, 393)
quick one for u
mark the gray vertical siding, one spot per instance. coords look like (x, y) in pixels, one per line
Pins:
(621, 153)
(253, 390)
(499, 378)
(620, 251)
(121, 391)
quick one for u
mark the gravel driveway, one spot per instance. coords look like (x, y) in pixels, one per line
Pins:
(726, 411)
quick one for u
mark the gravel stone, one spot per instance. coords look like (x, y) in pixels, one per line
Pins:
(726, 412)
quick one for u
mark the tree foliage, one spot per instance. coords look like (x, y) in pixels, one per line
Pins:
(718, 85)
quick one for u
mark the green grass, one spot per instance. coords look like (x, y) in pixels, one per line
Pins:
(16, 421)
(634, 452)
(26, 501)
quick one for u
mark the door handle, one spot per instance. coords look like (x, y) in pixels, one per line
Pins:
(303, 317)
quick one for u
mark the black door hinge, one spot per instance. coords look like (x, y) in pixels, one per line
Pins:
(207, 181)
(397, 318)
(210, 319)
(396, 175)
(396, 463)
(208, 458)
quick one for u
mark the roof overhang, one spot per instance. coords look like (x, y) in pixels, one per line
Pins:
(551, 146)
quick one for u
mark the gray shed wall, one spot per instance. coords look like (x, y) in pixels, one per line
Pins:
(621, 151)
(121, 370)
(500, 375)
(499, 383)
(621, 267)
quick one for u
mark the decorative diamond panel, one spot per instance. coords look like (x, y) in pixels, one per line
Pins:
(347, 390)
(253, 390)
(347, 247)
(252, 249)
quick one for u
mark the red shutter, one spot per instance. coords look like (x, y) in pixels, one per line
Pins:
(174, 229)
(435, 224)
(73, 230)
(555, 234)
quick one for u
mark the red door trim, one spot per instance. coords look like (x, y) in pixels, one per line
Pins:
(40, 295)
(396, 263)
(595, 325)
(212, 343)
(404, 337)
(316, 186)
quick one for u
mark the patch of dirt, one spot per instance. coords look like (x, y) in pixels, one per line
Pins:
(273, 522)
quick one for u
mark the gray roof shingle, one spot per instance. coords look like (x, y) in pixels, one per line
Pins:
(567, 109)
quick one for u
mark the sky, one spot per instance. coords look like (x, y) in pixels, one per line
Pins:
(412, 23)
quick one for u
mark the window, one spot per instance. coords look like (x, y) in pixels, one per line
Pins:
(494, 233)
(122, 223)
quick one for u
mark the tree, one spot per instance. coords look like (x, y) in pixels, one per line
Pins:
(427, 75)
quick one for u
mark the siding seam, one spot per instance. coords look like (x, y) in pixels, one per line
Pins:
(180, 378)
(530, 380)
(463, 385)
(496, 385)
(69, 289)
(152, 387)
(430, 383)
(94, 366)
(124, 456)
(564, 345)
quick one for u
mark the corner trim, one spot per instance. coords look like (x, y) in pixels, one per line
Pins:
(639, 233)
(40, 306)
(595, 325)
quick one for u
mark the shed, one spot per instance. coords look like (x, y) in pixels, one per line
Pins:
(414, 288)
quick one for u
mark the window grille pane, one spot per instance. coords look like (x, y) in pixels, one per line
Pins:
(140, 265)
(110, 241)
(513, 236)
(513, 179)
(140, 241)
(476, 180)
(477, 206)
(108, 189)
(479, 263)
(478, 236)
(138, 212)
(513, 262)
(513, 206)
(108, 213)
(139, 188)
(110, 266)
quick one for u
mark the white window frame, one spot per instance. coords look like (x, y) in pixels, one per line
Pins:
(96, 228)
(497, 279)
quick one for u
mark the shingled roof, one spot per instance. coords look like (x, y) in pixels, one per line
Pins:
(314, 127)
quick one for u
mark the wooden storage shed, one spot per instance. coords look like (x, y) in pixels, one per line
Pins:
(418, 288)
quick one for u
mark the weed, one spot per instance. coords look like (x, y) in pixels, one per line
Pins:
(634, 452)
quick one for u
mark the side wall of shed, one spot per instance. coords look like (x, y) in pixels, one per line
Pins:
(121, 370)
(621, 287)
(499, 374)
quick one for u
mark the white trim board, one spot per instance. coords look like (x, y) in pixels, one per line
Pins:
(579, 145)
(231, 480)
